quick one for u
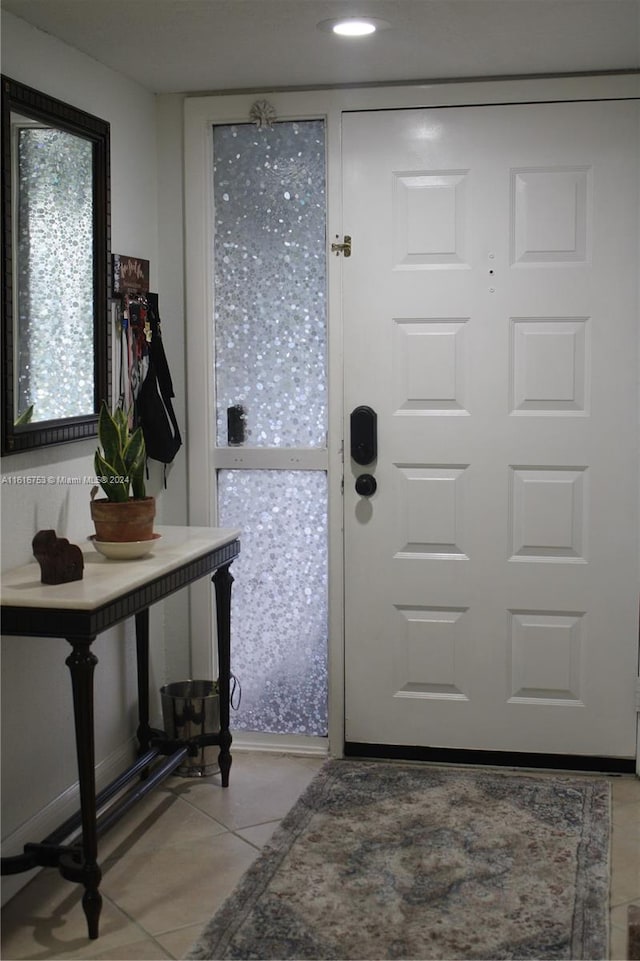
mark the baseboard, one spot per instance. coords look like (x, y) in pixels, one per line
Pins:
(53, 814)
(565, 762)
(300, 744)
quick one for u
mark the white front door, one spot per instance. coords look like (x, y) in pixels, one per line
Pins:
(490, 321)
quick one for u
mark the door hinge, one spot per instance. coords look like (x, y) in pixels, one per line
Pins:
(343, 248)
(638, 695)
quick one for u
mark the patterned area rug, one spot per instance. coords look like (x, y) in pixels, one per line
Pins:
(383, 860)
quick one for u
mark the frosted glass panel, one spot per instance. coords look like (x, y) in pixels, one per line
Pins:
(270, 304)
(279, 598)
(55, 239)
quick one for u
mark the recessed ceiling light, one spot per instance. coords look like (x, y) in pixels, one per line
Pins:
(354, 26)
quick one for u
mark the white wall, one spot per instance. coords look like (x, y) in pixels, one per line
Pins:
(172, 300)
(38, 753)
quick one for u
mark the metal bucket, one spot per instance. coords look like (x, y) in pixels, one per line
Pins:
(190, 708)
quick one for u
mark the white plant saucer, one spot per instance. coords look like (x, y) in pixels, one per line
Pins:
(124, 550)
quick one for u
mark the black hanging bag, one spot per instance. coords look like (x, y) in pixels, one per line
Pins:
(154, 410)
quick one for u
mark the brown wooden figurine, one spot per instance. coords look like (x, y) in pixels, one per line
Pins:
(59, 560)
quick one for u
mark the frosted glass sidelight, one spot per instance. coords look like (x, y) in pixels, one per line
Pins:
(270, 278)
(279, 598)
(55, 239)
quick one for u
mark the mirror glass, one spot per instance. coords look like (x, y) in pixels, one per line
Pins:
(55, 257)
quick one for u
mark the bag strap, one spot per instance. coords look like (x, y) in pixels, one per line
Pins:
(158, 372)
(159, 365)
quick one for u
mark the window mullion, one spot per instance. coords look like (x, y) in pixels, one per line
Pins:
(264, 458)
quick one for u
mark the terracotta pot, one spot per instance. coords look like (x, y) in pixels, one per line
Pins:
(130, 520)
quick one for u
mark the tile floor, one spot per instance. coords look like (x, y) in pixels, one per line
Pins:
(171, 862)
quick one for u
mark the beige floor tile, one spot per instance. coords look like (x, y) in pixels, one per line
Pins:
(618, 944)
(155, 818)
(625, 847)
(619, 932)
(624, 789)
(147, 950)
(262, 787)
(260, 834)
(46, 920)
(625, 870)
(626, 819)
(625, 853)
(178, 943)
(178, 883)
(619, 914)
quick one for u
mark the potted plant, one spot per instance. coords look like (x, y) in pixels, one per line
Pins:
(126, 514)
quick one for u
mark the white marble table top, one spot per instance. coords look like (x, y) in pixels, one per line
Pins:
(104, 579)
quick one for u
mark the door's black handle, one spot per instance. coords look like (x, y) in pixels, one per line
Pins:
(366, 485)
(364, 435)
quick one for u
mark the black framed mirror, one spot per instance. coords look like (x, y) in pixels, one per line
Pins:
(55, 269)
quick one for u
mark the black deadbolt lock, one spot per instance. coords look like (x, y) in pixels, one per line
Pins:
(366, 485)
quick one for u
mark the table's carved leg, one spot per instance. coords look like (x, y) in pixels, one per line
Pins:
(222, 580)
(81, 663)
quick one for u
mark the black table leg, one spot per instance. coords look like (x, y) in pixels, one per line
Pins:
(81, 663)
(222, 580)
(142, 652)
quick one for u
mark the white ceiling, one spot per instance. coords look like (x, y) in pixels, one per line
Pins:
(209, 45)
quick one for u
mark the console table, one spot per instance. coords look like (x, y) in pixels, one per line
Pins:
(110, 592)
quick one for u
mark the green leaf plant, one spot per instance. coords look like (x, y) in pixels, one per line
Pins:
(120, 458)
(25, 417)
